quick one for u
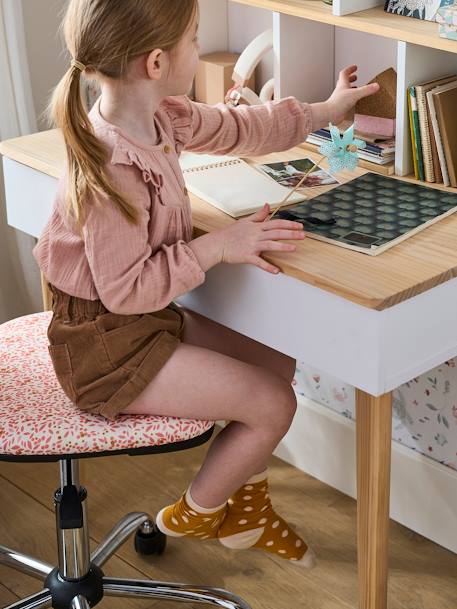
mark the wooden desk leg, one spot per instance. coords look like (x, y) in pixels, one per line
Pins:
(46, 293)
(374, 439)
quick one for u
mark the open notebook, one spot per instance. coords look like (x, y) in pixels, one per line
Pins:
(231, 185)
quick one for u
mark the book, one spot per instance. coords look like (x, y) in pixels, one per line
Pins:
(436, 161)
(377, 158)
(417, 137)
(426, 145)
(231, 184)
(383, 146)
(436, 130)
(371, 213)
(373, 138)
(411, 130)
(445, 105)
(387, 169)
(425, 132)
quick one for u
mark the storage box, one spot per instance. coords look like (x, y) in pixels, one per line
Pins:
(447, 31)
(383, 103)
(214, 77)
(447, 15)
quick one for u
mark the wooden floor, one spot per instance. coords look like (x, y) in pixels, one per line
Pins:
(423, 575)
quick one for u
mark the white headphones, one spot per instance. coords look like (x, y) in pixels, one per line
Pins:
(244, 68)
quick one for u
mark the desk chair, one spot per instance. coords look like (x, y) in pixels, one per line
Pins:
(39, 423)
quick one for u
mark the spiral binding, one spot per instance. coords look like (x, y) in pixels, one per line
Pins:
(212, 165)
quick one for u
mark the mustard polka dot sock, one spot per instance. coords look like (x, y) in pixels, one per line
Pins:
(185, 518)
(251, 522)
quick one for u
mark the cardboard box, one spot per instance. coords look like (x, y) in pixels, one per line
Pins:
(214, 77)
(384, 102)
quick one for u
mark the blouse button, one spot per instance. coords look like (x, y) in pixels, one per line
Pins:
(167, 149)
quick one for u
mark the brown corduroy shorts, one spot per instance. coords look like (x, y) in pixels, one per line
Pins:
(103, 360)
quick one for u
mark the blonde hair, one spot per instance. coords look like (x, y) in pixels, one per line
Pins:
(103, 36)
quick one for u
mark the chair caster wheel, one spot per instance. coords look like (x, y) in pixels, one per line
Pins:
(148, 544)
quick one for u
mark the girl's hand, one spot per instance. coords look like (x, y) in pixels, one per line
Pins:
(345, 96)
(244, 240)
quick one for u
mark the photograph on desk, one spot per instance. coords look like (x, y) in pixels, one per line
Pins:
(371, 213)
(289, 173)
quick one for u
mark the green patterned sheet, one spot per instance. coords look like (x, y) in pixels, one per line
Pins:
(371, 212)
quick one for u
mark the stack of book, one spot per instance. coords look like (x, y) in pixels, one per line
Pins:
(378, 150)
(433, 122)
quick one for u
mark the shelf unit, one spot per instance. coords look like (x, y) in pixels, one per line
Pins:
(306, 28)
(371, 21)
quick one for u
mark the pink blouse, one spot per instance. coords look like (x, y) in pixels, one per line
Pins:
(142, 268)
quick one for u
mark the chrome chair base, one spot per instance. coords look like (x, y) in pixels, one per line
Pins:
(78, 581)
(142, 589)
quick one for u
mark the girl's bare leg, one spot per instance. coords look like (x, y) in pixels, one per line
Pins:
(213, 384)
(204, 332)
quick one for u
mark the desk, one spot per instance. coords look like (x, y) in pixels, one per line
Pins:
(374, 323)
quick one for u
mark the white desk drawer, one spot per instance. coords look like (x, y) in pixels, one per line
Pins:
(29, 197)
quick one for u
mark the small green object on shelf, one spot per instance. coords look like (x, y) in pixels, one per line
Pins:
(328, 2)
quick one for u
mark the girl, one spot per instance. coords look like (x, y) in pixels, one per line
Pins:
(118, 249)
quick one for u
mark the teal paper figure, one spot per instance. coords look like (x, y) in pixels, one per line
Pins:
(342, 150)
(341, 153)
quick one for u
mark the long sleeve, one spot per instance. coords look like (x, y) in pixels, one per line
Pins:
(242, 130)
(129, 277)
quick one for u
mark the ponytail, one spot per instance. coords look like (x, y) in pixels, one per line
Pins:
(86, 154)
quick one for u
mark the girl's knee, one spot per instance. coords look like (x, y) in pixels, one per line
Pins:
(289, 407)
(279, 404)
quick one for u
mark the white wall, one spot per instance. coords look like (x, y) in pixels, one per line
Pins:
(47, 56)
(213, 25)
(372, 54)
(244, 24)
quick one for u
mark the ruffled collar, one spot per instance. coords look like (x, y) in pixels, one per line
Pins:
(127, 151)
(97, 119)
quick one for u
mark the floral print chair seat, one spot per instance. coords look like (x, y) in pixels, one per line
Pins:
(38, 420)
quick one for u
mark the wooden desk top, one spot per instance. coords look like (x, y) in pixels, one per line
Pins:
(414, 266)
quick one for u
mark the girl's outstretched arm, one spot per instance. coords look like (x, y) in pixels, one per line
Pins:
(256, 130)
(242, 131)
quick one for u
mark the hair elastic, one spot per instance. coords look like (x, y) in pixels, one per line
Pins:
(77, 64)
